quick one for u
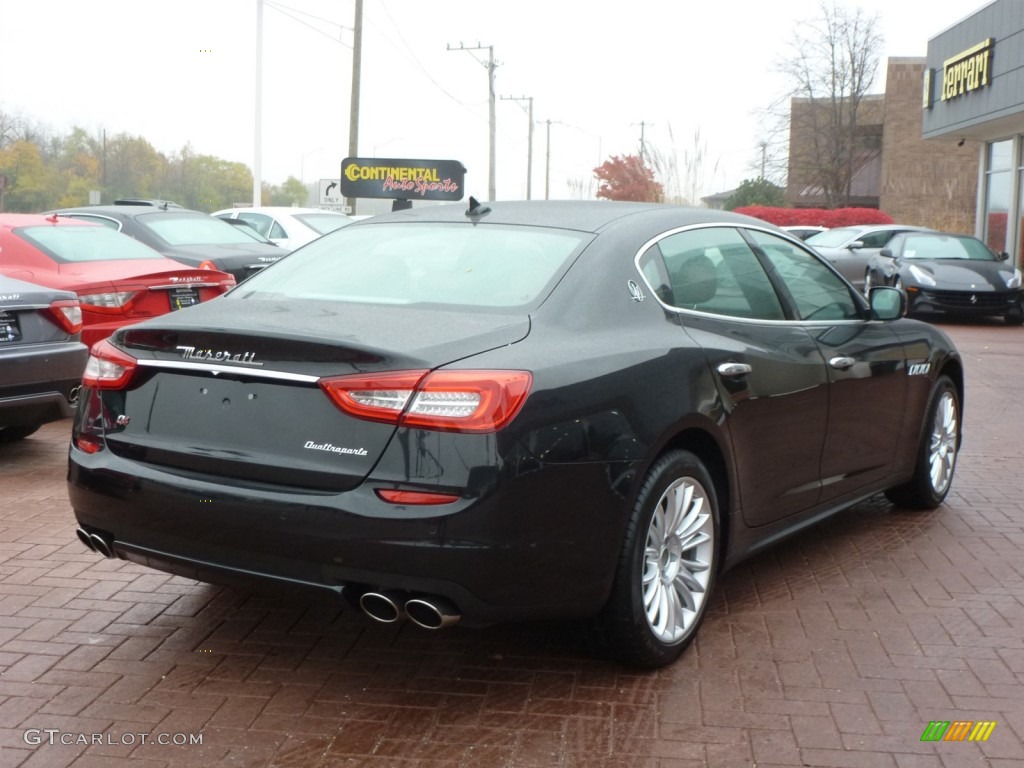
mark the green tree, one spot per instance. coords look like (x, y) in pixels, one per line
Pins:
(628, 178)
(756, 192)
(292, 192)
(77, 159)
(131, 167)
(31, 184)
(209, 183)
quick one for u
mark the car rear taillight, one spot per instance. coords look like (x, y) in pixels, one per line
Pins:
(106, 301)
(67, 314)
(448, 401)
(108, 367)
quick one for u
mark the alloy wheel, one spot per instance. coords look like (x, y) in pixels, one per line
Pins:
(677, 560)
(942, 445)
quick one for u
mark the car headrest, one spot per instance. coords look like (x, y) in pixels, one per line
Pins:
(694, 281)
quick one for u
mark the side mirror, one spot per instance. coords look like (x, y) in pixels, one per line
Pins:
(887, 303)
(1004, 256)
(855, 245)
(886, 252)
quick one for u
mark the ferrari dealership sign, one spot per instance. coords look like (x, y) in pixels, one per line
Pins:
(402, 179)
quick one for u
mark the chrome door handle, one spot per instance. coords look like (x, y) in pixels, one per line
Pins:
(842, 362)
(734, 369)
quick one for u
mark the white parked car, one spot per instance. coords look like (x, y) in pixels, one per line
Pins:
(288, 227)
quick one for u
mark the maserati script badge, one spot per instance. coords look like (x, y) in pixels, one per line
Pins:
(218, 356)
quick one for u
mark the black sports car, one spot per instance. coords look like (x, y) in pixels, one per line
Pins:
(190, 237)
(41, 356)
(949, 274)
(536, 409)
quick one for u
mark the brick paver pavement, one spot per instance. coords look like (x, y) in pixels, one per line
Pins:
(837, 648)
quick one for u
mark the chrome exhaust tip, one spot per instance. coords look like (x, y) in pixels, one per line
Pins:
(432, 612)
(102, 543)
(85, 538)
(385, 607)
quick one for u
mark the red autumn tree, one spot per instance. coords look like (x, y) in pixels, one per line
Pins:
(628, 178)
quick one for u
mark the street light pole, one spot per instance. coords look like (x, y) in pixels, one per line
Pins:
(353, 124)
(257, 181)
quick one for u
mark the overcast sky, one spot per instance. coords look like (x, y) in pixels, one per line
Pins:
(182, 71)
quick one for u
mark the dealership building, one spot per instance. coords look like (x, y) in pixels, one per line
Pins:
(973, 91)
(943, 147)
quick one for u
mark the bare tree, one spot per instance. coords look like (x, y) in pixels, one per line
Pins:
(832, 66)
(685, 181)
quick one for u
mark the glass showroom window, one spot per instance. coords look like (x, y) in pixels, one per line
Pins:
(998, 181)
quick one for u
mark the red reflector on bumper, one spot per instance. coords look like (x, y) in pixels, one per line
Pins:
(415, 497)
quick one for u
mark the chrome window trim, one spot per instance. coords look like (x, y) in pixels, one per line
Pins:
(732, 318)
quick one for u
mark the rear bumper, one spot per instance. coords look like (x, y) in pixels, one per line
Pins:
(40, 382)
(532, 550)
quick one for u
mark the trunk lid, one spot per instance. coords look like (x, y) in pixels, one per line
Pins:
(230, 388)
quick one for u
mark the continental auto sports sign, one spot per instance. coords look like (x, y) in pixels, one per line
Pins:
(402, 179)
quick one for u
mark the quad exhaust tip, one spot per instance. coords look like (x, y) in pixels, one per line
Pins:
(432, 612)
(103, 543)
(385, 606)
(426, 611)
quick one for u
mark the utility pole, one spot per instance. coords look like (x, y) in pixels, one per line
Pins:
(547, 163)
(353, 113)
(490, 66)
(643, 144)
(529, 144)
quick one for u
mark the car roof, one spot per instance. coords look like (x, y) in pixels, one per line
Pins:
(582, 215)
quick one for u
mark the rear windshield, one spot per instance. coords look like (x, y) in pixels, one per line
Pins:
(435, 263)
(323, 222)
(69, 244)
(932, 247)
(194, 229)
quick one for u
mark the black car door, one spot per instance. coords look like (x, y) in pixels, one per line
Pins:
(770, 373)
(866, 367)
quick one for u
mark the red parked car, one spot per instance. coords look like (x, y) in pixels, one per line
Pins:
(118, 280)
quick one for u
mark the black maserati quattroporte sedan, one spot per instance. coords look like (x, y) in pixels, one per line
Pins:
(514, 411)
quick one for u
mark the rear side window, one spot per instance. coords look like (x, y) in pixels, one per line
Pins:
(437, 263)
(711, 270)
(72, 244)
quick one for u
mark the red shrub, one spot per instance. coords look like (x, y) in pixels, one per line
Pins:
(821, 217)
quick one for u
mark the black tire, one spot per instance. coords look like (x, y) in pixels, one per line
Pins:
(680, 571)
(1015, 318)
(11, 434)
(936, 455)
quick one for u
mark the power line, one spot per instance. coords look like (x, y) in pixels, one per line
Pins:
(281, 9)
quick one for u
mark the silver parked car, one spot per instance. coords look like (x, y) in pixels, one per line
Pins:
(849, 248)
